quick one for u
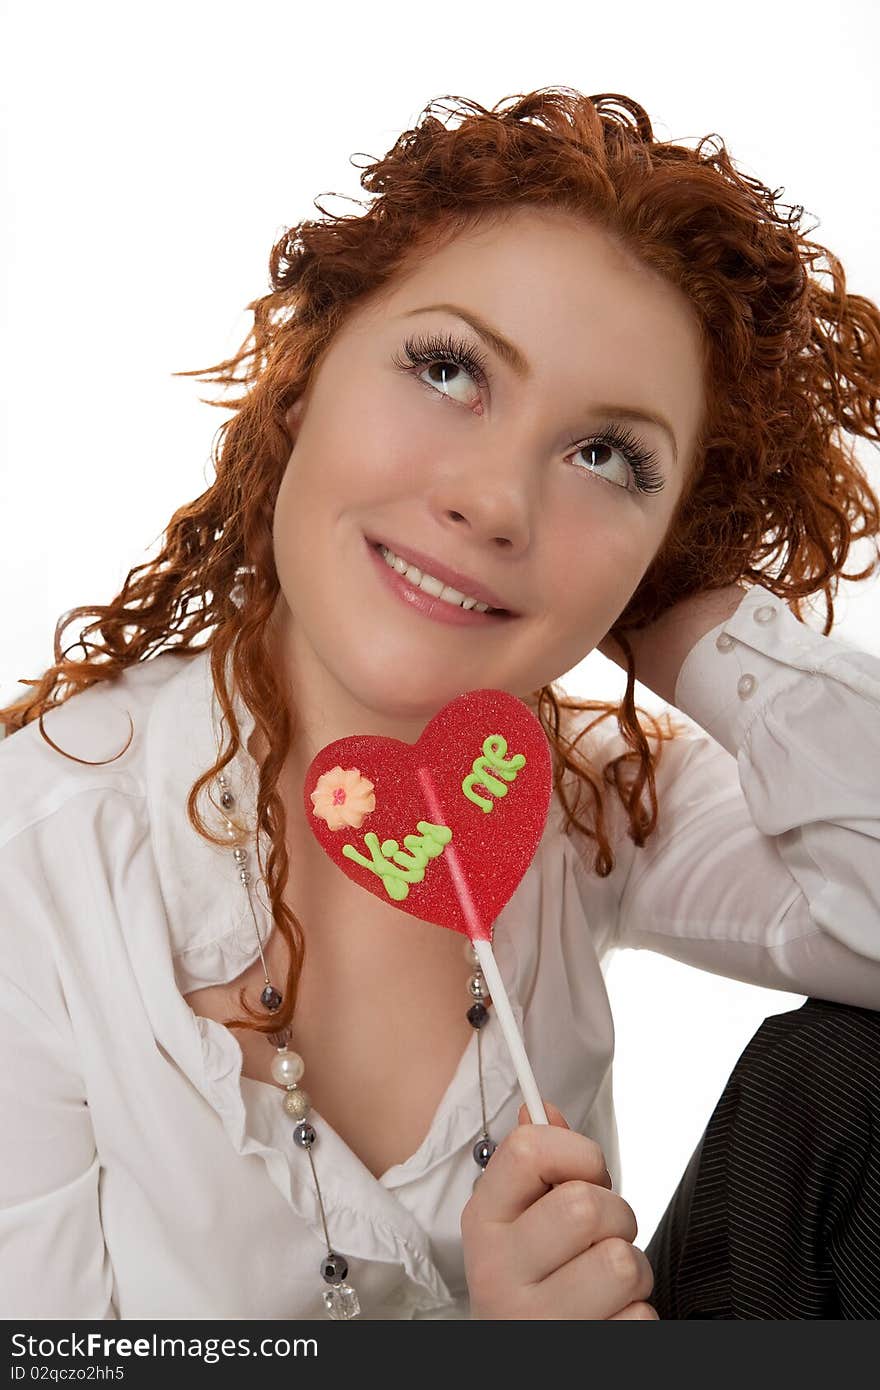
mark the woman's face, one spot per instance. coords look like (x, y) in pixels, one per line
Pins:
(494, 478)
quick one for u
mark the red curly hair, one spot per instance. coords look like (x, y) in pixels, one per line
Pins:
(774, 494)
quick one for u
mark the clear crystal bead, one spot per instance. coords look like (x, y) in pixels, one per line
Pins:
(341, 1302)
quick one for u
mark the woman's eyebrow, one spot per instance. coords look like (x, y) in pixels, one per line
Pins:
(508, 352)
(500, 345)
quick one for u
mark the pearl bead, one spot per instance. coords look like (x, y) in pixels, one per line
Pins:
(297, 1103)
(470, 954)
(239, 854)
(287, 1067)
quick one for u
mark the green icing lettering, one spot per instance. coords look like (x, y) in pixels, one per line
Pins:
(426, 845)
(494, 750)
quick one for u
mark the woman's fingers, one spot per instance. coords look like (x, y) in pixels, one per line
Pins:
(636, 1311)
(564, 1223)
(556, 1117)
(544, 1234)
(553, 1113)
(601, 1283)
(528, 1162)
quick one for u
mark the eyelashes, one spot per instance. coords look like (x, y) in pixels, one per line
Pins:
(425, 351)
(643, 462)
(439, 348)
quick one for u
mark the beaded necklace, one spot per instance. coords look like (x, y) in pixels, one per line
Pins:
(288, 1069)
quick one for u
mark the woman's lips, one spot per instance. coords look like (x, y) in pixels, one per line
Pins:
(427, 604)
(456, 579)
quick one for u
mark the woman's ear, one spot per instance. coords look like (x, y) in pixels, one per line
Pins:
(293, 418)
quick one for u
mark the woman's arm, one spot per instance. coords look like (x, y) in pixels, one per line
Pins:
(660, 650)
(765, 864)
(53, 1261)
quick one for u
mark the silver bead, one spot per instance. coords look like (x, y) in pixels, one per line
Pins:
(477, 987)
(765, 614)
(745, 686)
(239, 854)
(244, 875)
(227, 800)
(724, 641)
(222, 779)
(287, 1068)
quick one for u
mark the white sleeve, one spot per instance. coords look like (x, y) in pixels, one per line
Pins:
(53, 1261)
(765, 862)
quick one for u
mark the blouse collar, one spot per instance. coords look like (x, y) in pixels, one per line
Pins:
(211, 929)
(210, 924)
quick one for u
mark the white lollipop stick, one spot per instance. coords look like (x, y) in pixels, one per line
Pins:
(527, 1083)
(525, 1075)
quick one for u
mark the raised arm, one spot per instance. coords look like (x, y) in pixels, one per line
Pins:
(765, 864)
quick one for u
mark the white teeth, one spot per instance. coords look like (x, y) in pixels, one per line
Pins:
(429, 585)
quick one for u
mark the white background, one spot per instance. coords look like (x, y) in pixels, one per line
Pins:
(155, 152)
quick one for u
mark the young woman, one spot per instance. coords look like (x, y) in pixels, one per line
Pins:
(559, 386)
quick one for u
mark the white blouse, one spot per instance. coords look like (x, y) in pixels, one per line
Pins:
(142, 1177)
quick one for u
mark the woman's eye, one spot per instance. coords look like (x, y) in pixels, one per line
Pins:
(447, 377)
(635, 460)
(588, 452)
(446, 365)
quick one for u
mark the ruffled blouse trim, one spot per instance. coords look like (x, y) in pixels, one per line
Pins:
(369, 1238)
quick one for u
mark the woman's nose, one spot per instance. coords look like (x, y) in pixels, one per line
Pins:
(491, 504)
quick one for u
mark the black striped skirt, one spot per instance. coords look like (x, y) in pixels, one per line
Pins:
(777, 1215)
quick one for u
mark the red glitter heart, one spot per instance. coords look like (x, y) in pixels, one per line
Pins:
(481, 770)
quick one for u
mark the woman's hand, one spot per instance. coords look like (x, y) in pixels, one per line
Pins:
(660, 649)
(545, 1237)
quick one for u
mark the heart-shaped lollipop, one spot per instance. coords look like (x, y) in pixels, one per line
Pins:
(444, 828)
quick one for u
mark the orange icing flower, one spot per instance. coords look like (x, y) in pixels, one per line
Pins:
(343, 797)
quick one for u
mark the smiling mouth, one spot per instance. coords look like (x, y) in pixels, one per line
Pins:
(489, 611)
